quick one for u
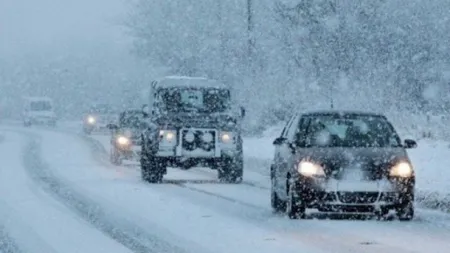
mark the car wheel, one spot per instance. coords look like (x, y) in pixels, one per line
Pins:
(231, 171)
(152, 170)
(295, 208)
(276, 203)
(405, 211)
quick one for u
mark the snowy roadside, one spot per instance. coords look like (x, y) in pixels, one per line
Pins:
(32, 221)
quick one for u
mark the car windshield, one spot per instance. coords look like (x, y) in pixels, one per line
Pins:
(350, 131)
(194, 100)
(101, 109)
(40, 106)
(131, 119)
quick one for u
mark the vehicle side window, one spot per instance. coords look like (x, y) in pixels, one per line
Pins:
(302, 127)
(121, 119)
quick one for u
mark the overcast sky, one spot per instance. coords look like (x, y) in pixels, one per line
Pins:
(28, 26)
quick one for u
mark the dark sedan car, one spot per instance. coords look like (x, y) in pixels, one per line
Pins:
(126, 136)
(342, 162)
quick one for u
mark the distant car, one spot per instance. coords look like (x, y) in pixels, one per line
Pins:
(193, 121)
(126, 136)
(342, 162)
(98, 117)
(38, 111)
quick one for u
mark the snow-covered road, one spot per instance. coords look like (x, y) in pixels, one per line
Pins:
(60, 194)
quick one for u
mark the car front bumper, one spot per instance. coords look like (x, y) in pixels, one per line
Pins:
(131, 152)
(364, 196)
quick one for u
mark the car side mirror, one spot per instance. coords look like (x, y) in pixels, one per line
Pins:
(111, 126)
(279, 141)
(242, 112)
(408, 143)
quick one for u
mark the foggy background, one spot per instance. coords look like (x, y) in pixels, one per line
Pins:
(390, 56)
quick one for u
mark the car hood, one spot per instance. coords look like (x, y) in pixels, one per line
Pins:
(367, 163)
(222, 121)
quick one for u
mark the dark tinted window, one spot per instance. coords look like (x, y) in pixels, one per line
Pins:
(349, 131)
(131, 119)
(40, 106)
(194, 100)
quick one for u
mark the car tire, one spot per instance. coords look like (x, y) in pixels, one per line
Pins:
(295, 208)
(152, 168)
(231, 171)
(405, 211)
(276, 203)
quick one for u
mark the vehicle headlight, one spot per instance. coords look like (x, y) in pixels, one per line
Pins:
(167, 135)
(226, 137)
(310, 169)
(402, 169)
(91, 120)
(122, 140)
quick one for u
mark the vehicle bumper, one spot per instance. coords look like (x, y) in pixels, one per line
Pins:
(131, 152)
(41, 121)
(365, 196)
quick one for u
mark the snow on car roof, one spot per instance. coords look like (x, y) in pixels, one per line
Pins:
(188, 82)
(38, 99)
(342, 112)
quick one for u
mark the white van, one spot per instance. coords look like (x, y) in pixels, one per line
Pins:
(39, 111)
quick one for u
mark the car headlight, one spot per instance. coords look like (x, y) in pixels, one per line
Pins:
(402, 169)
(310, 169)
(91, 120)
(122, 140)
(226, 137)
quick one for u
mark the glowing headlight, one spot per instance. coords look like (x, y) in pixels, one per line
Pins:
(226, 137)
(122, 140)
(310, 169)
(402, 169)
(91, 120)
(167, 135)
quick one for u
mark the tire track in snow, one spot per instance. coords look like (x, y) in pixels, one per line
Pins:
(117, 228)
(7, 244)
(316, 234)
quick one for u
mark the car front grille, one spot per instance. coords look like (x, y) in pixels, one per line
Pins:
(203, 139)
(358, 197)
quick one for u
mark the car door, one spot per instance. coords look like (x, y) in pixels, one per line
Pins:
(277, 160)
(287, 156)
(282, 159)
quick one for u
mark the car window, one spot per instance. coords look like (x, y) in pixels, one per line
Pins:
(350, 131)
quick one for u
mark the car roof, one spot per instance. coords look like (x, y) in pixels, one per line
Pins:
(36, 99)
(132, 111)
(188, 82)
(342, 113)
